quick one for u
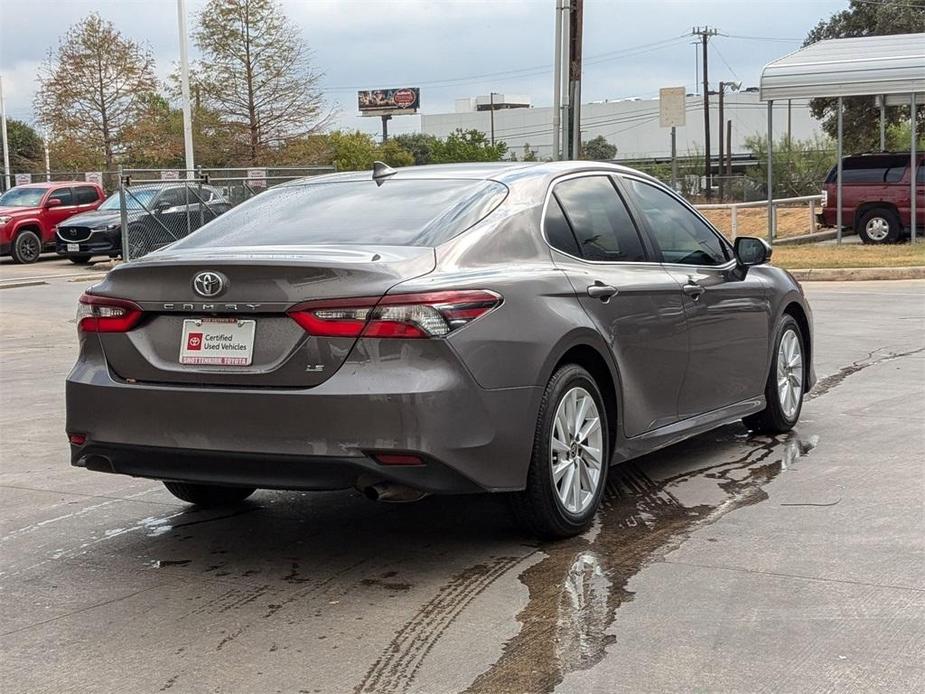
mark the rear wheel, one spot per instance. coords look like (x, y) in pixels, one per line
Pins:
(568, 469)
(27, 247)
(784, 390)
(879, 225)
(208, 495)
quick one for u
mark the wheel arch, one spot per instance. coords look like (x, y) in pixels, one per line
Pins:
(796, 311)
(587, 349)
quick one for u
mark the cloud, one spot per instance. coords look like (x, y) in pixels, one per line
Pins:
(384, 43)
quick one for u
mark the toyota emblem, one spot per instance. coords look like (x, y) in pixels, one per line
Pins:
(209, 284)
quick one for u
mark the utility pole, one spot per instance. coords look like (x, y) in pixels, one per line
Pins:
(491, 107)
(47, 162)
(733, 86)
(557, 88)
(705, 33)
(576, 14)
(184, 89)
(6, 140)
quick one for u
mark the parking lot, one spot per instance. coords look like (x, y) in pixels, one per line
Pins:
(724, 563)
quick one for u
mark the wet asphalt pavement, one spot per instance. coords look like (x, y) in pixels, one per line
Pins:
(727, 563)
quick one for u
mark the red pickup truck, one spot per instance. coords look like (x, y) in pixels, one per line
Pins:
(30, 213)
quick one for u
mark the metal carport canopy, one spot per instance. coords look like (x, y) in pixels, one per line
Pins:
(863, 66)
(881, 66)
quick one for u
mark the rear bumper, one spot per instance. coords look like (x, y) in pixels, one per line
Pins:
(424, 402)
(232, 468)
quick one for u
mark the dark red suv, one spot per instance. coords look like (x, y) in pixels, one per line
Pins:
(30, 213)
(876, 196)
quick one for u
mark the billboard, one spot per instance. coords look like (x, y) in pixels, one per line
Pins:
(380, 102)
(672, 104)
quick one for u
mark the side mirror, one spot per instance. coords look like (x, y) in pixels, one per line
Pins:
(53, 202)
(750, 250)
(161, 206)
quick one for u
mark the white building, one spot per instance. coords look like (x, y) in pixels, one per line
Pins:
(631, 125)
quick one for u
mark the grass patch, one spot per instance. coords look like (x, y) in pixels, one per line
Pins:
(848, 255)
(753, 221)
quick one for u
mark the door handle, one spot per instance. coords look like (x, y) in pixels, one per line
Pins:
(601, 291)
(693, 290)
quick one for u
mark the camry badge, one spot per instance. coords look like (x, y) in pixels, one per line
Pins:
(208, 284)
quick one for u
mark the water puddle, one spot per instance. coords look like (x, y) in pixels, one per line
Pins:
(650, 507)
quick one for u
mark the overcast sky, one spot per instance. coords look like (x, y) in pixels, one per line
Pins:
(451, 48)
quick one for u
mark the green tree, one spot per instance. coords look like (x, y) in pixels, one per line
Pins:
(861, 116)
(529, 154)
(94, 86)
(598, 149)
(256, 73)
(27, 151)
(467, 145)
(392, 153)
(800, 166)
(155, 138)
(354, 151)
(421, 146)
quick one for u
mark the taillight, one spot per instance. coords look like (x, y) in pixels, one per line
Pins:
(825, 197)
(430, 314)
(101, 314)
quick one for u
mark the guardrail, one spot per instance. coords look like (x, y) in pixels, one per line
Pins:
(735, 206)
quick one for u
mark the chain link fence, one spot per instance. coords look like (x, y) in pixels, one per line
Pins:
(158, 207)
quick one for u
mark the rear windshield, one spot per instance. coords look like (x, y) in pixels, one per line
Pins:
(396, 213)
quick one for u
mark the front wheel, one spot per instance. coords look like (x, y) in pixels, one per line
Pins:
(568, 469)
(785, 387)
(27, 247)
(208, 495)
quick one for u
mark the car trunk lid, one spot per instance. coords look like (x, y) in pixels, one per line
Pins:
(259, 285)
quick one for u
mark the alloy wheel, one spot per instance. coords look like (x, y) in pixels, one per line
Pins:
(877, 228)
(29, 248)
(789, 373)
(575, 447)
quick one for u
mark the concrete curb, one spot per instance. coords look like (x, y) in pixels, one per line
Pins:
(842, 274)
(808, 238)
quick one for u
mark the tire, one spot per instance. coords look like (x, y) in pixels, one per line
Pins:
(782, 412)
(879, 225)
(208, 495)
(79, 259)
(540, 508)
(27, 247)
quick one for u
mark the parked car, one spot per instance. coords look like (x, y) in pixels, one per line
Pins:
(156, 214)
(508, 328)
(29, 214)
(876, 196)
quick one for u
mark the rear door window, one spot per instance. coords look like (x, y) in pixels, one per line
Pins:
(86, 195)
(603, 227)
(64, 195)
(557, 229)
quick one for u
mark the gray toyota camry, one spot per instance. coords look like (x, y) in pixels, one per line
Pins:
(513, 328)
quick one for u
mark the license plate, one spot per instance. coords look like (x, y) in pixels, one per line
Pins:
(217, 341)
(73, 248)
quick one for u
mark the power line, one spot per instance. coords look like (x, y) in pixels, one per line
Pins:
(762, 38)
(528, 71)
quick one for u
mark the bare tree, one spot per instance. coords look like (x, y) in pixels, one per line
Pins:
(256, 73)
(94, 85)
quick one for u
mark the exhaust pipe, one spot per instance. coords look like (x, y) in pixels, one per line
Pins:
(392, 493)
